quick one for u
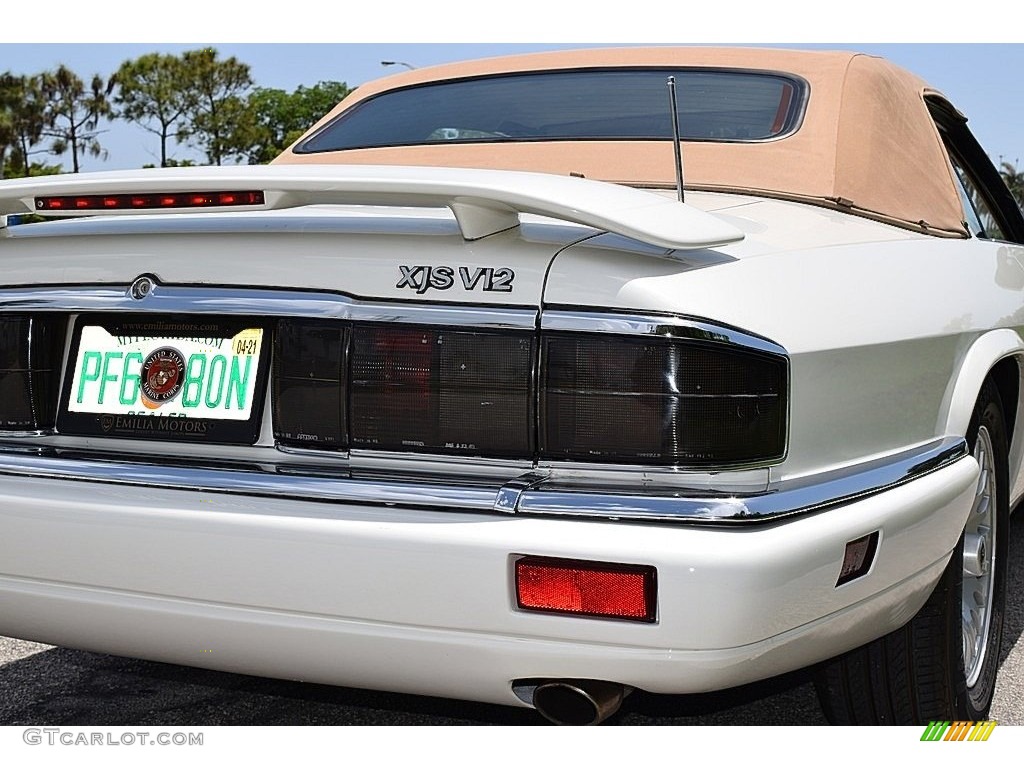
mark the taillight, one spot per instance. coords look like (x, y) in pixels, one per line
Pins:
(31, 351)
(585, 588)
(309, 384)
(617, 399)
(441, 390)
(85, 203)
(661, 401)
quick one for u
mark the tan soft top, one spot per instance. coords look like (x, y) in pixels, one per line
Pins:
(867, 142)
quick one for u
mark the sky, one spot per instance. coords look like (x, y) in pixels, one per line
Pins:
(980, 74)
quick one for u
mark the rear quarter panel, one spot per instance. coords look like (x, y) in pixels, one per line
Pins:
(879, 329)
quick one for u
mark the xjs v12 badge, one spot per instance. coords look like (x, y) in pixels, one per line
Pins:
(162, 374)
(422, 278)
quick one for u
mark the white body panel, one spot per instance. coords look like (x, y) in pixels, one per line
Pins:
(483, 202)
(423, 601)
(884, 357)
(359, 256)
(876, 332)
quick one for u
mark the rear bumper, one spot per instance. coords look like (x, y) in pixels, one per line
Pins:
(421, 600)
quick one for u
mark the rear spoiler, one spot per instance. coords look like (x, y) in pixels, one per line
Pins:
(484, 201)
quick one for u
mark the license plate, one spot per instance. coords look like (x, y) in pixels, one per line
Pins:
(180, 378)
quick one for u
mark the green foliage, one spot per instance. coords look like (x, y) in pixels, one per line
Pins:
(171, 163)
(73, 112)
(7, 137)
(217, 119)
(281, 117)
(1014, 180)
(152, 92)
(22, 119)
(13, 167)
(195, 99)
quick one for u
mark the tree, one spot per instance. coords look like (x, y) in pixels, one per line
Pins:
(1014, 180)
(73, 113)
(14, 167)
(217, 119)
(22, 119)
(281, 117)
(152, 92)
(174, 164)
(7, 103)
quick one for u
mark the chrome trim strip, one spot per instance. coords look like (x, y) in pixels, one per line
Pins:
(319, 454)
(281, 481)
(316, 304)
(511, 492)
(533, 493)
(672, 326)
(240, 301)
(419, 465)
(807, 495)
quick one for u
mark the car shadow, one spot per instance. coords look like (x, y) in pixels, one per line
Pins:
(65, 687)
(1013, 623)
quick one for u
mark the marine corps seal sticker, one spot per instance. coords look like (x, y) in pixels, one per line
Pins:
(162, 375)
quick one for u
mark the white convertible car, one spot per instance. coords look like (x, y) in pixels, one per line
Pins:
(463, 396)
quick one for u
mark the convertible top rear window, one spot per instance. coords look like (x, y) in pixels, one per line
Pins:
(571, 105)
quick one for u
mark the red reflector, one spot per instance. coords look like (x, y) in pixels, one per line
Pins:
(154, 200)
(584, 588)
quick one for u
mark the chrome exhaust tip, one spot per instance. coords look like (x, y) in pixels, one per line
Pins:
(578, 702)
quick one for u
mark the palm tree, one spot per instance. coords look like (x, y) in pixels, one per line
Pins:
(1014, 180)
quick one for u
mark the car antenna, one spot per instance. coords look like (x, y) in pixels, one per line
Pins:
(677, 144)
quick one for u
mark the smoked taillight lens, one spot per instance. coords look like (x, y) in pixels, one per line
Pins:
(439, 390)
(661, 401)
(608, 398)
(309, 385)
(31, 351)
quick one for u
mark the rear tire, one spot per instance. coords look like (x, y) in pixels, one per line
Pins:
(942, 665)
